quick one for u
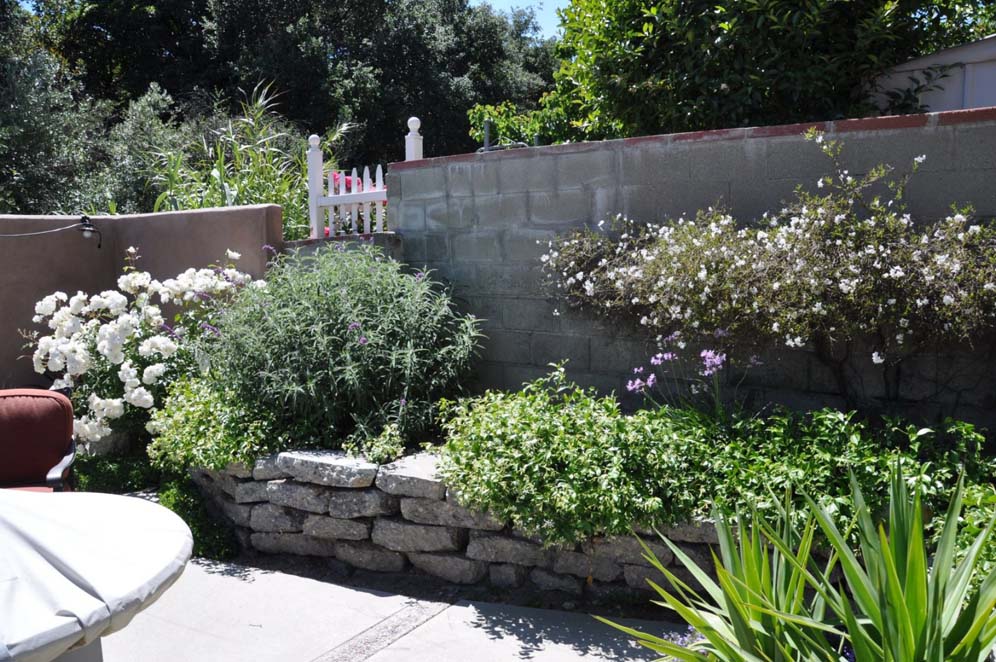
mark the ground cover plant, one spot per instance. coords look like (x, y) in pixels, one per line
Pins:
(342, 348)
(565, 464)
(203, 424)
(776, 598)
(845, 272)
(561, 462)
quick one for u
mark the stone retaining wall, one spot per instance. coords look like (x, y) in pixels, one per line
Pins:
(401, 517)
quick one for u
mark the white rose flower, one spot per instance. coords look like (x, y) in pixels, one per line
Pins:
(128, 376)
(152, 373)
(134, 282)
(77, 303)
(140, 397)
(157, 345)
(47, 305)
(61, 383)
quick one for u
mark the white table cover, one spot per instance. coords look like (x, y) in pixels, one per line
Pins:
(76, 566)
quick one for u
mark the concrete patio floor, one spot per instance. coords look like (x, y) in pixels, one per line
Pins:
(227, 612)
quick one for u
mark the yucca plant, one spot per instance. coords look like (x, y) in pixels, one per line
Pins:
(891, 605)
(899, 608)
(757, 609)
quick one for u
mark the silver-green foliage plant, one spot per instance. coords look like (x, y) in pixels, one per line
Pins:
(898, 600)
(342, 343)
(250, 159)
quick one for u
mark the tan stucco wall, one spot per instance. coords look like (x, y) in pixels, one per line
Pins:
(31, 267)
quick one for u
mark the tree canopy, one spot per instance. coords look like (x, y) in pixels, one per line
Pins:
(372, 63)
(634, 67)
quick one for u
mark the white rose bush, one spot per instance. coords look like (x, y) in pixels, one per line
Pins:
(118, 352)
(845, 272)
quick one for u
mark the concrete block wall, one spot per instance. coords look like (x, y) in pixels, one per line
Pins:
(481, 221)
(400, 517)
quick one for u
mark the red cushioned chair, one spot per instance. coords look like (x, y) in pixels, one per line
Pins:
(37, 448)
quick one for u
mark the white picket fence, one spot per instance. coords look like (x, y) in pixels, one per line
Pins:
(341, 204)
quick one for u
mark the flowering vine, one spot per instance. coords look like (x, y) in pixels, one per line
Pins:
(841, 271)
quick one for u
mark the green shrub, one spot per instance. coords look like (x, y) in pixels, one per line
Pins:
(148, 126)
(814, 452)
(250, 159)
(202, 424)
(639, 67)
(342, 343)
(115, 474)
(560, 462)
(50, 131)
(508, 125)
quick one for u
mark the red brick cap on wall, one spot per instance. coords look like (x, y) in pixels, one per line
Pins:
(887, 123)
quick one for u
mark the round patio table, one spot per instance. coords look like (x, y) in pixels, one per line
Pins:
(77, 566)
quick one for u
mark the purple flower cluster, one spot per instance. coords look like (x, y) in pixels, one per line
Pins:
(661, 357)
(712, 361)
(638, 384)
(354, 326)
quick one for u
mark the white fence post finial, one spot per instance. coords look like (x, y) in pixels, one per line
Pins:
(315, 185)
(413, 141)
